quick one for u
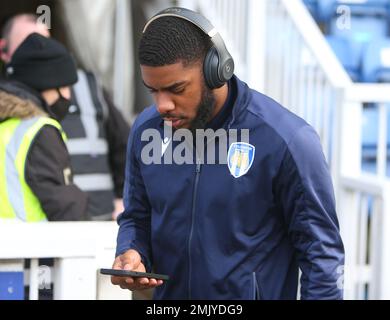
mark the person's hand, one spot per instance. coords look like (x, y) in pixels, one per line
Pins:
(131, 260)
(118, 208)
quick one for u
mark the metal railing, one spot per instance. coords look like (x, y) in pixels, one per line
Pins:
(305, 76)
(365, 221)
(363, 199)
(79, 249)
(231, 19)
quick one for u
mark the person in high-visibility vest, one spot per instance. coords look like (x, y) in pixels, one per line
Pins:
(97, 131)
(35, 173)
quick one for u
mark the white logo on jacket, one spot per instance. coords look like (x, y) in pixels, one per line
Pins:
(240, 158)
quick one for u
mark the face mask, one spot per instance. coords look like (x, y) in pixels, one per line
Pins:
(60, 108)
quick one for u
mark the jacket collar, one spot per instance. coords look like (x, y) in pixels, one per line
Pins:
(242, 100)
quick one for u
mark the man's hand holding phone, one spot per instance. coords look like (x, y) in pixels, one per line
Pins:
(131, 261)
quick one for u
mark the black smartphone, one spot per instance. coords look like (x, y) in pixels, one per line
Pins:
(134, 274)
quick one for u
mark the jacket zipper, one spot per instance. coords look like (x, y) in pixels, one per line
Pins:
(194, 194)
(256, 291)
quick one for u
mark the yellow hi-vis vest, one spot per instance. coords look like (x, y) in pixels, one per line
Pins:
(17, 201)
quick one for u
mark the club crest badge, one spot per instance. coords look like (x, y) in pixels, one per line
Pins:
(240, 158)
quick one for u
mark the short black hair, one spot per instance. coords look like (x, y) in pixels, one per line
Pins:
(169, 40)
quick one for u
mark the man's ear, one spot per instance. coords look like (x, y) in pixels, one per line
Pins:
(4, 56)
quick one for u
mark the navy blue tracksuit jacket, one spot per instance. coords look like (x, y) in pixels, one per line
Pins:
(224, 237)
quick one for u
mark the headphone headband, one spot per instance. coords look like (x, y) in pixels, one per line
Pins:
(225, 63)
(186, 14)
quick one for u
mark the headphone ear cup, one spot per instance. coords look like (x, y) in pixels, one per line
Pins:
(210, 69)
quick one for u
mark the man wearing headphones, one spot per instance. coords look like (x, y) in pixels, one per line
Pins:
(239, 229)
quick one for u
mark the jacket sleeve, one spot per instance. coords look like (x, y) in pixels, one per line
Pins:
(47, 173)
(305, 192)
(135, 222)
(117, 130)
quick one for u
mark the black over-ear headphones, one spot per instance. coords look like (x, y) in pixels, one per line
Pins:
(218, 66)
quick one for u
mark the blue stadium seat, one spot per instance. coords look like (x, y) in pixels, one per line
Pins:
(327, 10)
(321, 10)
(347, 54)
(376, 61)
(378, 8)
(370, 138)
(11, 285)
(368, 17)
(312, 6)
(369, 22)
(362, 29)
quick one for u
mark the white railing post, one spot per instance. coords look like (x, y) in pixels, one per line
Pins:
(348, 220)
(336, 127)
(366, 224)
(382, 140)
(256, 44)
(34, 279)
(375, 247)
(383, 275)
(75, 278)
(350, 148)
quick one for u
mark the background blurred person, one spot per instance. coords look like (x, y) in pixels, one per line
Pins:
(96, 130)
(36, 180)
